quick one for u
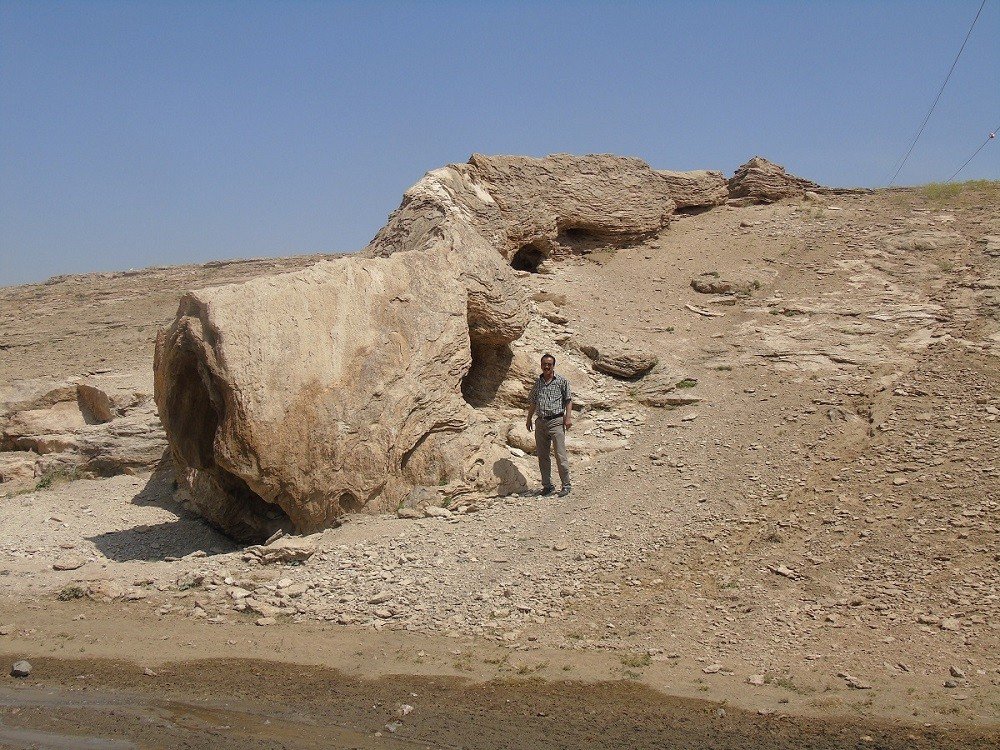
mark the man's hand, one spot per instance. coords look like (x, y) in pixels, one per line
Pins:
(528, 425)
(567, 422)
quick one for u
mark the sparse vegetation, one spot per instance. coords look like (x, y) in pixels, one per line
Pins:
(636, 660)
(687, 383)
(72, 591)
(942, 193)
(55, 477)
(786, 682)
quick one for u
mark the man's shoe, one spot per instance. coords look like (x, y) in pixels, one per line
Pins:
(565, 490)
(547, 490)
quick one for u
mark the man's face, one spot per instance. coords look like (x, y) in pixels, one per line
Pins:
(548, 367)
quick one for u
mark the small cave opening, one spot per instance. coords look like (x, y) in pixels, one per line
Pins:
(490, 365)
(692, 210)
(581, 240)
(190, 413)
(571, 235)
(528, 258)
(350, 503)
(194, 410)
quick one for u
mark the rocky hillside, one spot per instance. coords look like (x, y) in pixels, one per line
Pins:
(785, 463)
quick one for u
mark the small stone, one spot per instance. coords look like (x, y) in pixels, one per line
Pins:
(712, 669)
(6, 629)
(69, 563)
(434, 511)
(956, 672)
(20, 669)
(950, 684)
(149, 672)
(756, 679)
(950, 623)
(262, 621)
(405, 710)
(296, 589)
(381, 598)
(854, 682)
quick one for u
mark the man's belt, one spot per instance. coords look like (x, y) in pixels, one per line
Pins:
(553, 416)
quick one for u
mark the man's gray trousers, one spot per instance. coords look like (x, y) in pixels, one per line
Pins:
(547, 432)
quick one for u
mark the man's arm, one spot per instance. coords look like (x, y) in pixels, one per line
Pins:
(567, 407)
(532, 403)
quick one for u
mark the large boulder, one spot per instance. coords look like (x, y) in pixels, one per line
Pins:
(619, 362)
(291, 400)
(763, 181)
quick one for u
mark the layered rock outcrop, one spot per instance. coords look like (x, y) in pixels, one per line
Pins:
(95, 426)
(356, 384)
(530, 210)
(763, 181)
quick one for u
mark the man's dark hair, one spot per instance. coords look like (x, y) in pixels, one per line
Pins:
(549, 356)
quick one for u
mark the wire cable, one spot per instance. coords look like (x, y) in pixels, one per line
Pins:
(990, 137)
(936, 98)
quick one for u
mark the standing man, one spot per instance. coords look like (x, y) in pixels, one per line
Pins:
(552, 399)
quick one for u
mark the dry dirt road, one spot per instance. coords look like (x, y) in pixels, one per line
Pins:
(809, 545)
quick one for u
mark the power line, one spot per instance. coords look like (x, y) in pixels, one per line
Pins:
(938, 97)
(990, 137)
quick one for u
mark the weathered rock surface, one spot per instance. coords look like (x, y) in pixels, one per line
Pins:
(763, 181)
(664, 388)
(287, 549)
(922, 240)
(697, 188)
(715, 283)
(17, 466)
(621, 363)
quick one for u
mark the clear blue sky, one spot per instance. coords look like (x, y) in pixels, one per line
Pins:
(147, 133)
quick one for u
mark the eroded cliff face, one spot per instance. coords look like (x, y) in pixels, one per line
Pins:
(363, 383)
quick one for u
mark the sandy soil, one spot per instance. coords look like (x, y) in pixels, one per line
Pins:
(823, 521)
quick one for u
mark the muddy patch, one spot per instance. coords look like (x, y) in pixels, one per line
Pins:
(218, 704)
